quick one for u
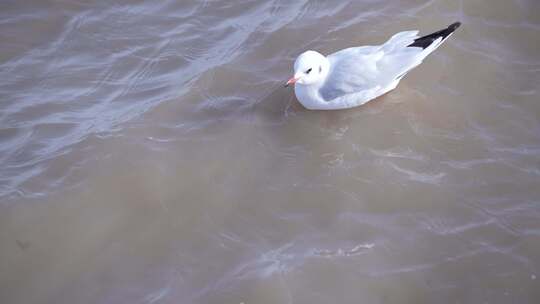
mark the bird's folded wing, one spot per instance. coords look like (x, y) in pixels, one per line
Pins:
(357, 69)
(350, 100)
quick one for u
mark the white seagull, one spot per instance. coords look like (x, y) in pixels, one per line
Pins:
(354, 76)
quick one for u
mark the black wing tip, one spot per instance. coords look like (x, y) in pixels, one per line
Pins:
(425, 41)
(452, 27)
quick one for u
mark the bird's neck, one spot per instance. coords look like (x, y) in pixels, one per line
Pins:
(308, 94)
(325, 70)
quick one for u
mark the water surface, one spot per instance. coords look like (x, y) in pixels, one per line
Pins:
(149, 154)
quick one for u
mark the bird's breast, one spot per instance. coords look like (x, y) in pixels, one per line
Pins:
(308, 96)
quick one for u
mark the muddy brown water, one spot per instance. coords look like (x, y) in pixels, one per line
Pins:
(149, 154)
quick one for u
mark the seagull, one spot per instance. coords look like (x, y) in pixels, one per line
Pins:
(356, 75)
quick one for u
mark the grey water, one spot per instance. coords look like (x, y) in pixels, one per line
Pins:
(150, 154)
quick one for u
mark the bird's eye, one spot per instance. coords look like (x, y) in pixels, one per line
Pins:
(309, 70)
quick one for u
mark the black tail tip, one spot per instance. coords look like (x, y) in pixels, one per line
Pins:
(452, 27)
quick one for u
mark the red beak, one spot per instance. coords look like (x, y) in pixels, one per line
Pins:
(291, 81)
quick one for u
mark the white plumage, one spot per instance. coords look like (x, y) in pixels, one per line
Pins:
(354, 76)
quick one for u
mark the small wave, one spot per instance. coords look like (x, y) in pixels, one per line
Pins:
(428, 178)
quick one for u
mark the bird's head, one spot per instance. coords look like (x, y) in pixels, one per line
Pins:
(309, 68)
